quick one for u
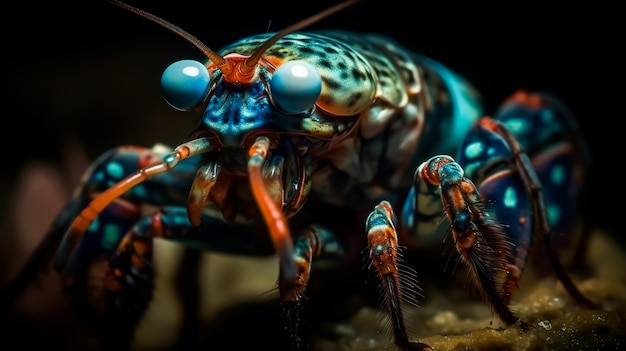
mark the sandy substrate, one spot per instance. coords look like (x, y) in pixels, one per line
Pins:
(452, 323)
(238, 297)
(445, 319)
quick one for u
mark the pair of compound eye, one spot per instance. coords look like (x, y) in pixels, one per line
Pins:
(295, 85)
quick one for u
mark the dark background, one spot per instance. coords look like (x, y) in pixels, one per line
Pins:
(89, 70)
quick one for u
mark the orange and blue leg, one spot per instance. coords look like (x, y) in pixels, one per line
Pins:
(398, 283)
(516, 178)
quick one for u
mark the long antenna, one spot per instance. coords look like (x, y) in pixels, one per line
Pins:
(212, 55)
(251, 62)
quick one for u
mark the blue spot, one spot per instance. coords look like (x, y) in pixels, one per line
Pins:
(181, 221)
(554, 213)
(111, 236)
(517, 125)
(474, 150)
(557, 175)
(169, 159)
(510, 197)
(471, 168)
(98, 176)
(547, 115)
(378, 250)
(94, 226)
(115, 170)
(140, 191)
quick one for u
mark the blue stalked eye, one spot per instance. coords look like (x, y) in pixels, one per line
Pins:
(295, 86)
(184, 84)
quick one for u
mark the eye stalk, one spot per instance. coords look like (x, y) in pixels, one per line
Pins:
(185, 84)
(295, 86)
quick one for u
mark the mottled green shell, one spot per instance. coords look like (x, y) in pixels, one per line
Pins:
(349, 82)
(396, 71)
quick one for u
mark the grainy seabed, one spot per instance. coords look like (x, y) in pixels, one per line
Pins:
(558, 323)
(444, 319)
(238, 296)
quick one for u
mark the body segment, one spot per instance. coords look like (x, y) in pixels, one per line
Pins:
(375, 131)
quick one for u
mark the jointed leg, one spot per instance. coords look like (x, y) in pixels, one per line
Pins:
(383, 251)
(312, 242)
(540, 220)
(481, 242)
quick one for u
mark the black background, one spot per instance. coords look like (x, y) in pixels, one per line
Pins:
(89, 70)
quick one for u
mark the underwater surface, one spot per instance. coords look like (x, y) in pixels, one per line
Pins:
(104, 92)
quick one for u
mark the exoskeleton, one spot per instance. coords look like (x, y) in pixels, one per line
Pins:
(296, 124)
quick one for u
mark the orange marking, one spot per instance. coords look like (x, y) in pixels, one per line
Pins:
(429, 176)
(525, 98)
(112, 280)
(274, 218)
(274, 61)
(141, 247)
(137, 262)
(467, 188)
(465, 242)
(183, 152)
(387, 208)
(232, 70)
(386, 263)
(157, 226)
(488, 123)
(457, 198)
(97, 205)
